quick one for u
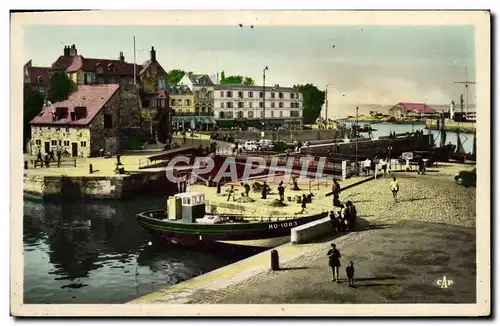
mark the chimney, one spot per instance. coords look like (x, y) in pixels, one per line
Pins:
(122, 58)
(66, 51)
(153, 54)
(72, 51)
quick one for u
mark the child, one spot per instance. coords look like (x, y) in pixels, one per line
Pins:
(394, 188)
(349, 270)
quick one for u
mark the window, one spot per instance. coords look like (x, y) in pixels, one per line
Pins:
(188, 102)
(83, 143)
(221, 105)
(260, 94)
(161, 83)
(272, 104)
(250, 104)
(240, 105)
(229, 105)
(108, 121)
(281, 114)
(60, 142)
(280, 104)
(291, 95)
(66, 143)
(229, 94)
(250, 94)
(159, 102)
(240, 94)
(297, 96)
(272, 95)
(221, 93)
(221, 115)
(38, 142)
(250, 113)
(229, 114)
(294, 114)
(240, 114)
(53, 142)
(261, 104)
(272, 114)
(280, 95)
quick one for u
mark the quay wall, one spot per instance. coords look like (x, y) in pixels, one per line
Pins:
(311, 230)
(288, 136)
(93, 187)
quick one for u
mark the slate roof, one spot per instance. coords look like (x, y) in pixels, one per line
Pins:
(179, 90)
(417, 107)
(197, 79)
(92, 97)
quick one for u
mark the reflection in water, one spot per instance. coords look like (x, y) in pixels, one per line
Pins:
(95, 252)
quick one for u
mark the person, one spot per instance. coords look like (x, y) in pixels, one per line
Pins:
(367, 165)
(333, 220)
(264, 190)
(383, 163)
(303, 203)
(39, 158)
(246, 186)
(51, 155)
(394, 188)
(219, 185)
(336, 192)
(59, 158)
(350, 215)
(334, 262)
(295, 185)
(281, 191)
(349, 270)
(230, 193)
(420, 166)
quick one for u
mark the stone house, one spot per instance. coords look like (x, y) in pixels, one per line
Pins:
(203, 91)
(416, 110)
(88, 121)
(37, 77)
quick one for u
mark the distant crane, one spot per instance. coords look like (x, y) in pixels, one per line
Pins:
(467, 83)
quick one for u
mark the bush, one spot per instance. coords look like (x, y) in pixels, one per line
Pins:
(281, 146)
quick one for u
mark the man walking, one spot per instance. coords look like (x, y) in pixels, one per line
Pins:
(336, 193)
(281, 191)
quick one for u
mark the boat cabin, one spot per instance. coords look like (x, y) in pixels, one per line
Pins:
(187, 206)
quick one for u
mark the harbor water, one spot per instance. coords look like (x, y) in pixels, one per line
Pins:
(96, 252)
(383, 129)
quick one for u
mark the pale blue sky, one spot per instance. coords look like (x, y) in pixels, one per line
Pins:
(369, 64)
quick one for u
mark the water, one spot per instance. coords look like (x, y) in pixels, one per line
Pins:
(94, 252)
(383, 129)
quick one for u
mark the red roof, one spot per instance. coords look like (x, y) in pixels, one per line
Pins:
(79, 62)
(417, 107)
(92, 97)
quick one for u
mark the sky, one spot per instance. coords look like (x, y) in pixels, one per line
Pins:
(362, 65)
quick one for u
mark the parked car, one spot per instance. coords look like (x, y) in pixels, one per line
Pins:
(466, 178)
(250, 146)
(266, 144)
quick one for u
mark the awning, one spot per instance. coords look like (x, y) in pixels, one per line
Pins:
(226, 123)
(196, 119)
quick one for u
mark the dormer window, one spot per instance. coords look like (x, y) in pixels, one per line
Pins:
(98, 68)
(39, 80)
(80, 112)
(60, 113)
(111, 67)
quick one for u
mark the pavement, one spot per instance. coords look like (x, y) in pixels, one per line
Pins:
(399, 258)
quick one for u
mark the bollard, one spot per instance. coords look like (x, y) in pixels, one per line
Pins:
(26, 165)
(91, 170)
(74, 162)
(275, 260)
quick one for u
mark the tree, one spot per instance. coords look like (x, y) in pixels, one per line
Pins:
(60, 87)
(232, 80)
(32, 106)
(222, 76)
(175, 76)
(313, 100)
(249, 81)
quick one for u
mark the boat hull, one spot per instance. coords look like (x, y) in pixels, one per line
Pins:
(194, 233)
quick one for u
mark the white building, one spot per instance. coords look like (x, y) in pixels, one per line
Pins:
(283, 105)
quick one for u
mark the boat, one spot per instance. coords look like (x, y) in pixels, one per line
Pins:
(186, 222)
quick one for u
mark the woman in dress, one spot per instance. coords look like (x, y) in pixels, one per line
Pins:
(334, 262)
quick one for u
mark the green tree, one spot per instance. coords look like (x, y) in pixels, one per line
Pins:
(249, 81)
(60, 87)
(222, 76)
(33, 103)
(175, 76)
(313, 100)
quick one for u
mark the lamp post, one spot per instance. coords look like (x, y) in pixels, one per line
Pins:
(356, 135)
(326, 105)
(264, 97)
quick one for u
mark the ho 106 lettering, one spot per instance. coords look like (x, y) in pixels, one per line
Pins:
(283, 225)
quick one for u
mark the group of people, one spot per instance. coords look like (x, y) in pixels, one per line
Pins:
(334, 262)
(344, 220)
(370, 165)
(48, 157)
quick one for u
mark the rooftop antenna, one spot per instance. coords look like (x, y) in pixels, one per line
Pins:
(467, 83)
